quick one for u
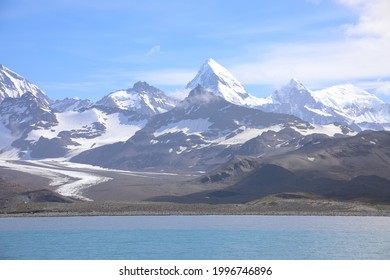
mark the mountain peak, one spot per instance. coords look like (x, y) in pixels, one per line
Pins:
(144, 87)
(295, 83)
(217, 79)
(292, 93)
(142, 98)
(217, 68)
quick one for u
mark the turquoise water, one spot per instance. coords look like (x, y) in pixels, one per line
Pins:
(195, 237)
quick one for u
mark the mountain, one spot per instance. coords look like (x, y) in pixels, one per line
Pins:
(202, 132)
(295, 99)
(71, 104)
(19, 117)
(14, 85)
(33, 126)
(31, 129)
(217, 79)
(141, 98)
(296, 141)
(345, 104)
(342, 168)
(356, 106)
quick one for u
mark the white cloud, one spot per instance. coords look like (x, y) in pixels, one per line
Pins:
(374, 19)
(363, 53)
(383, 89)
(377, 87)
(179, 94)
(318, 63)
(154, 51)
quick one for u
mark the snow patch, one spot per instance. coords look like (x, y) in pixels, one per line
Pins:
(181, 149)
(186, 126)
(329, 129)
(317, 111)
(247, 134)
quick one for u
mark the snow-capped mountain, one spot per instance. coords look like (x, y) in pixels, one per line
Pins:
(71, 104)
(217, 79)
(295, 99)
(31, 129)
(213, 123)
(32, 126)
(201, 132)
(14, 85)
(142, 98)
(355, 106)
(346, 104)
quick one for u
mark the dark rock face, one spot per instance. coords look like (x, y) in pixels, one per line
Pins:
(52, 148)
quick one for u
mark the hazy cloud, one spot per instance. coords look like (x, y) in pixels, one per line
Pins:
(154, 51)
(383, 88)
(179, 94)
(374, 19)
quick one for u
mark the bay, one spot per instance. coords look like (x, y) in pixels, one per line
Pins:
(195, 237)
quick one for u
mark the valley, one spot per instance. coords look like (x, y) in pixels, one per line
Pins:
(219, 150)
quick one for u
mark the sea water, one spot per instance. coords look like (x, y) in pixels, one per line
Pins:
(195, 237)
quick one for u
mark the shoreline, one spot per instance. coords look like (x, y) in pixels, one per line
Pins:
(153, 214)
(270, 206)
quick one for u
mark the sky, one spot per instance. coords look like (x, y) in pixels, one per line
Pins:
(87, 49)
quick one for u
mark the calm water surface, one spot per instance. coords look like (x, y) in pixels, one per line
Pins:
(195, 237)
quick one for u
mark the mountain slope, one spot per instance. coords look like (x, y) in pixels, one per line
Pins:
(295, 99)
(201, 132)
(14, 85)
(19, 117)
(71, 104)
(355, 105)
(347, 168)
(142, 98)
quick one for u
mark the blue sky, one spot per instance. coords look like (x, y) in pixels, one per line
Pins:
(87, 49)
